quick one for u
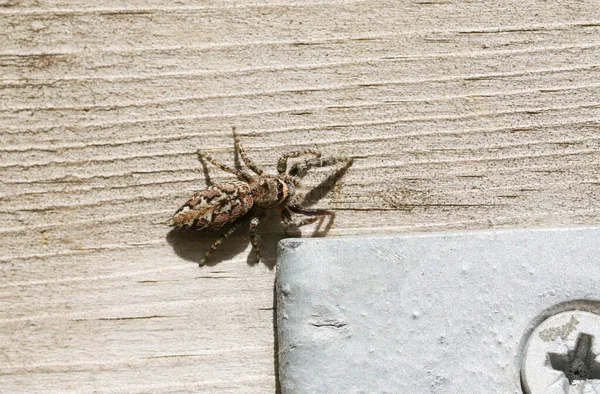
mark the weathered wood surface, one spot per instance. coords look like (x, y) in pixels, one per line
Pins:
(460, 115)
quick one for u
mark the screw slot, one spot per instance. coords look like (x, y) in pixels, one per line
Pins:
(561, 353)
(579, 363)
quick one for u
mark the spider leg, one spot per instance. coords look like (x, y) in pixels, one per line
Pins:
(238, 146)
(218, 242)
(282, 164)
(286, 217)
(242, 175)
(287, 220)
(299, 170)
(254, 238)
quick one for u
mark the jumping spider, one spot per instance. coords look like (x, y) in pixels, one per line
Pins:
(252, 196)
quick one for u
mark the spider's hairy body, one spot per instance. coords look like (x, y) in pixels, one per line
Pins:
(218, 205)
(253, 196)
(270, 192)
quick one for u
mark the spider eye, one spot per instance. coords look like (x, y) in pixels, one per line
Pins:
(265, 186)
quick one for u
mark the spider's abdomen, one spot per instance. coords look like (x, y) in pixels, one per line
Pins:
(215, 206)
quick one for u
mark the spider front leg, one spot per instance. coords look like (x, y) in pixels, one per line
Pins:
(242, 175)
(254, 238)
(282, 164)
(218, 242)
(240, 149)
(299, 170)
(287, 220)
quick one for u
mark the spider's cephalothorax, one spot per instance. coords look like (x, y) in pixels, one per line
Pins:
(271, 192)
(254, 195)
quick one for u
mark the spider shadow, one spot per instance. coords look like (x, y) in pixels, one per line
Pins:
(192, 245)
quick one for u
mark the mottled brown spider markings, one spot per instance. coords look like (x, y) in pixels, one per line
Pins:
(253, 196)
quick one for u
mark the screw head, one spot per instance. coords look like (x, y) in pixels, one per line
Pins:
(562, 353)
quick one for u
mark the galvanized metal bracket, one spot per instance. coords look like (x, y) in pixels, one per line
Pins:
(427, 313)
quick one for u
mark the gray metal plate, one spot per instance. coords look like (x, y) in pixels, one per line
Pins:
(424, 313)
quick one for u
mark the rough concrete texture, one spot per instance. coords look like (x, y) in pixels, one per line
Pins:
(425, 313)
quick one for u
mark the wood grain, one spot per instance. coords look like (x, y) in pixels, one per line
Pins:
(459, 115)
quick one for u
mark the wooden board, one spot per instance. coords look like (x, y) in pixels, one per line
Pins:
(459, 115)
